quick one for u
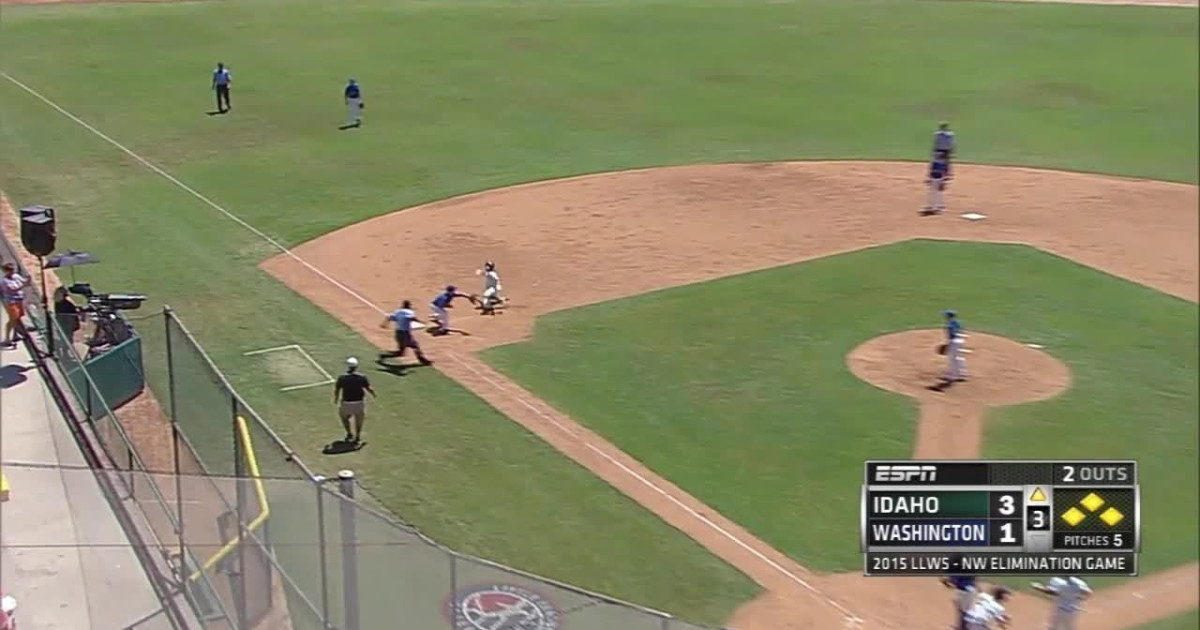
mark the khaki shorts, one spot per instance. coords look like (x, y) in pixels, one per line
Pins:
(356, 410)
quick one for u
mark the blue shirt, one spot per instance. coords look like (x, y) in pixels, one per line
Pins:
(953, 329)
(443, 299)
(352, 91)
(938, 169)
(403, 318)
(963, 582)
(222, 77)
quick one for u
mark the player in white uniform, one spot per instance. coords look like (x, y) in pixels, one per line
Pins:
(1068, 594)
(988, 611)
(491, 290)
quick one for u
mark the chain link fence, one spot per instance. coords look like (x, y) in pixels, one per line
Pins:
(241, 535)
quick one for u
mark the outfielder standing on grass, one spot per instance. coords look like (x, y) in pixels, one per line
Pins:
(402, 319)
(354, 104)
(221, 82)
(1068, 594)
(350, 394)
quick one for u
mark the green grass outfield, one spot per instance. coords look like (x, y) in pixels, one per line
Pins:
(738, 390)
(472, 95)
(1186, 621)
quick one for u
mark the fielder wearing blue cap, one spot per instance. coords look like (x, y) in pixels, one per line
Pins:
(953, 326)
(439, 306)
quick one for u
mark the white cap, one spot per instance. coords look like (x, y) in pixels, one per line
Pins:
(351, 362)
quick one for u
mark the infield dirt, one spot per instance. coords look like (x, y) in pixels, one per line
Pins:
(566, 243)
(571, 242)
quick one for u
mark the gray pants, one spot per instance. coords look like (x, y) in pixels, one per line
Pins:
(356, 410)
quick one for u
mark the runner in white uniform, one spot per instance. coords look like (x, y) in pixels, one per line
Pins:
(988, 612)
(491, 289)
(1068, 594)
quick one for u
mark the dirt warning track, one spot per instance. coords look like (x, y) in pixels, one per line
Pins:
(565, 243)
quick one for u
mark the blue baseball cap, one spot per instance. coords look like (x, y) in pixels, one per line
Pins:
(949, 313)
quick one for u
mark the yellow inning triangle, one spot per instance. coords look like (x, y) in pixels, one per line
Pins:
(1037, 495)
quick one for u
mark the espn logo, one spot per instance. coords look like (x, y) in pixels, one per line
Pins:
(885, 472)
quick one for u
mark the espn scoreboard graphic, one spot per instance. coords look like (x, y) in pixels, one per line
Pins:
(1003, 517)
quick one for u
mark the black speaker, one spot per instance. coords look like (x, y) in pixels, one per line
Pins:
(37, 230)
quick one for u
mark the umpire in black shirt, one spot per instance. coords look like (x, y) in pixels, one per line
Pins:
(350, 394)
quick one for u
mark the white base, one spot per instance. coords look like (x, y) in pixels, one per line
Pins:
(973, 216)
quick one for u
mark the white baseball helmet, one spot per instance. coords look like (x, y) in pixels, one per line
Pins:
(352, 362)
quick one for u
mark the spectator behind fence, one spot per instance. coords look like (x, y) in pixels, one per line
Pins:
(67, 314)
(13, 287)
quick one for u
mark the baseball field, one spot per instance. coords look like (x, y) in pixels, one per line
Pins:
(722, 298)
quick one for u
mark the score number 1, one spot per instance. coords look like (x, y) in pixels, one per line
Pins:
(1006, 518)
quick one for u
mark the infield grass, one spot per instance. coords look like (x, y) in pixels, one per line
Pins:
(1186, 621)
(766, 424)
(472, 95)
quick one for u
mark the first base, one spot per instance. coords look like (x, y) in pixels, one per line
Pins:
(973, 216)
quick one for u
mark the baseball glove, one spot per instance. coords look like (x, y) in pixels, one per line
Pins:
(941, 349)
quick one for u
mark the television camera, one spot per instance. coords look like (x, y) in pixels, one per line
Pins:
(104, 310)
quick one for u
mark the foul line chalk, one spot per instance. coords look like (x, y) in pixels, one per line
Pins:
(852, 620)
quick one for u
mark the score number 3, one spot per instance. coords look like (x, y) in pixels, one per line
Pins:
(1006, 517)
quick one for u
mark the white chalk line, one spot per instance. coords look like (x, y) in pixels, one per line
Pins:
(212, 204)
(266, 350)
(850, 617)
(328, 378)
(327, 375)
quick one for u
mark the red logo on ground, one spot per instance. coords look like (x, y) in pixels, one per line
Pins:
(502, 607)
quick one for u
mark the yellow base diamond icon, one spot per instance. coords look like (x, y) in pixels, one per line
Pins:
(1074, 517)
(1112, 516)
(1092, 502)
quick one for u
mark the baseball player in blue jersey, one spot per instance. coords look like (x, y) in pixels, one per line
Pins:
(937, 179)
(354, 104)
(439, 306)
(943, 141)
(964, 597)
(954, 348)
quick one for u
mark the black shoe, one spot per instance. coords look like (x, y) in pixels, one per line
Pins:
(425, 361)
(349, 439)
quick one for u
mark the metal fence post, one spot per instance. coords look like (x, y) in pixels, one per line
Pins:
(321, 546)
(175, 441)
(349, 551)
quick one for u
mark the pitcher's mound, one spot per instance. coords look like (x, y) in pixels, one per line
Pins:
(1001, 371)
